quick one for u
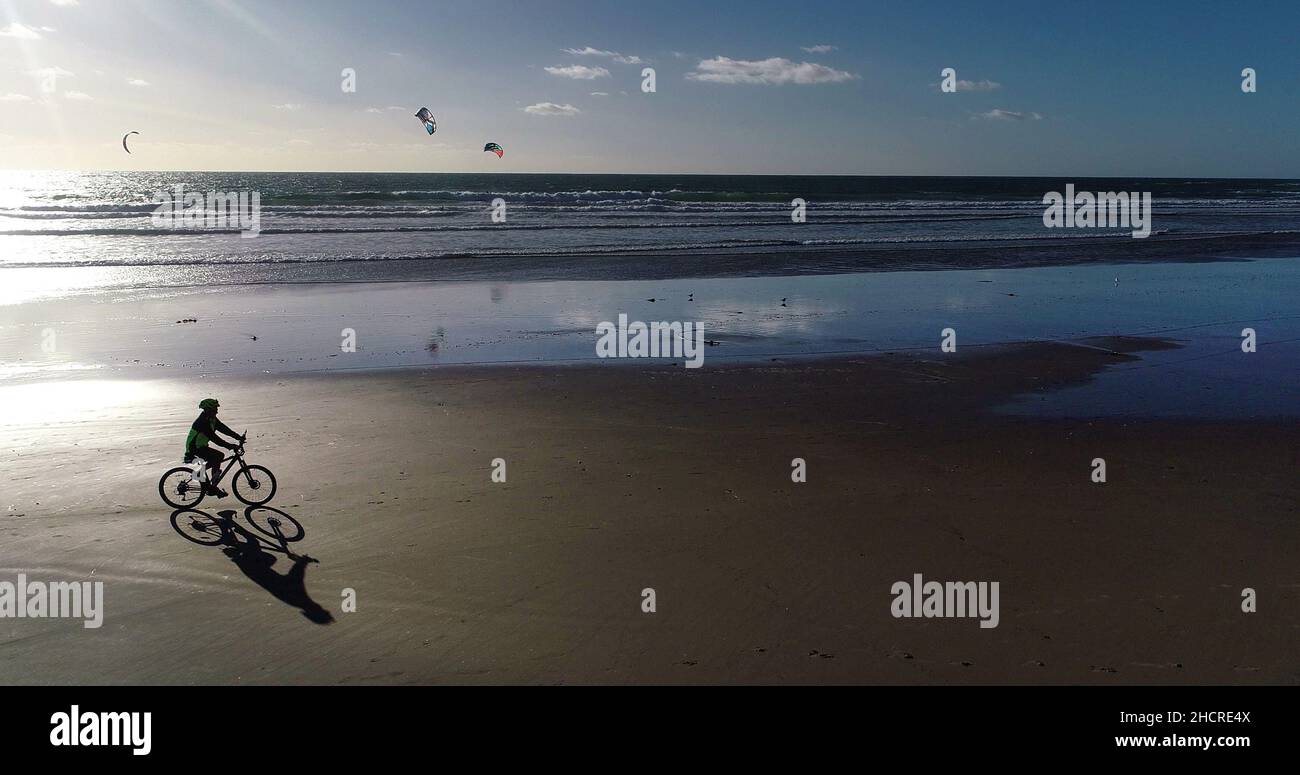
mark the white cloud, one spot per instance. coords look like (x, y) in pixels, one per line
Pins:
(600, 94)
(137, 82)
(76, 95)
(50, 72)
(374, 110)
(288, 106)
(771, 71)
(579, 72)
(66, 3)
(551, 109)
(19, 31)
(299, 141)
(394, 53)
(48, 77)
(588, 51)
(820, 48)
(12, 97)
(998, 114)
(984, 85)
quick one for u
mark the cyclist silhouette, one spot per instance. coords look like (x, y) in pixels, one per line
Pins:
(204, 431)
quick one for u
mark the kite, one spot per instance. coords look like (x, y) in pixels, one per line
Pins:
(494, 148)
(128, 134)
(430, 125)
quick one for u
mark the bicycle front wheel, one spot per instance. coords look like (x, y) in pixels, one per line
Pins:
(179, 489)
(254, 485)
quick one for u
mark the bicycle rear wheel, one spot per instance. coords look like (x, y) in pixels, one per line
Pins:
(179, 489)
(199, 527)
(254, 485)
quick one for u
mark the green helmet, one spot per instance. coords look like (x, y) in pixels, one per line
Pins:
(209, 403)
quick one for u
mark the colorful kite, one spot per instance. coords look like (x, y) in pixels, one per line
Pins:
(430, 125)
(494, 148)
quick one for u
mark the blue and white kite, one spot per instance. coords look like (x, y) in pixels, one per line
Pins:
(430, 125)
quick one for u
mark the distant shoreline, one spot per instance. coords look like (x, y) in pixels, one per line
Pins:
(634, 265)
(540, 173)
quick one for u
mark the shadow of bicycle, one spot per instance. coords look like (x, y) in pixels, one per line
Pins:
(255, 554)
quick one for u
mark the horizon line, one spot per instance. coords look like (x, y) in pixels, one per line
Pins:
(650, 174)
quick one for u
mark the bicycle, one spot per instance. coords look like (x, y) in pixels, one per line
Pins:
(183, 487)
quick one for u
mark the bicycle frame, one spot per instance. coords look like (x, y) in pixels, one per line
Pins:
(236, 456)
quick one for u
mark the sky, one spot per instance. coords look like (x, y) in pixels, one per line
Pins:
(741, 86)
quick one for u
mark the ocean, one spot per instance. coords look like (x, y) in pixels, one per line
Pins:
(91, 286)
(325, 227)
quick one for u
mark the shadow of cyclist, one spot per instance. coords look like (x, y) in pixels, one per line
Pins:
(249, 553)
(254, 557)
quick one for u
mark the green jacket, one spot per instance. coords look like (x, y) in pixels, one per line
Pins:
(204, 430)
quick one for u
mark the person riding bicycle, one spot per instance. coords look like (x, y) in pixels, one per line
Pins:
(203, 431)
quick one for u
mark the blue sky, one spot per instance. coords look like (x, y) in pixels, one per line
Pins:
(1106, 88)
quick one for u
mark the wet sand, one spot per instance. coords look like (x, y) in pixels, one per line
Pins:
(625, 477)
(229, 331)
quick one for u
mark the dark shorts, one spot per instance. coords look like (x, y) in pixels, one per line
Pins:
(213, 456)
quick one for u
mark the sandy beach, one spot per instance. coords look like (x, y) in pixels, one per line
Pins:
(625, 478)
